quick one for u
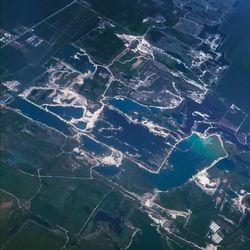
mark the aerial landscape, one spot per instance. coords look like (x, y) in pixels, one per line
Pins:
(125, 124)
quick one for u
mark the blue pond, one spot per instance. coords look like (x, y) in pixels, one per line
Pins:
(90, 145)
(67, 112)
(40, 115)
(107, 171)
(81, 125)
(127, 106)
(226, 164)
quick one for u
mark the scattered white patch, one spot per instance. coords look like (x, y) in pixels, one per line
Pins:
(114, 159)
(91, 118)
(199, 57)
(158, 220)
(204, 116)
(213, 41)
(211, 247)
(155, 129)
(11, 85)
(238, 202)
(203, 181)
(143, 46)
(70, 97)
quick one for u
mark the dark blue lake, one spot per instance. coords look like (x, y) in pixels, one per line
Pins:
(129, 137)
(129, 106)
(126, 105)
(91, 145)
(40, 115)
(67, 112)
(107, 171)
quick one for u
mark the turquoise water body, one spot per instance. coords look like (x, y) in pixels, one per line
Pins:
(81, 125)
(191, 155)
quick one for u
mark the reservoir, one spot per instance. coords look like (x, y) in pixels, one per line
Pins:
(190, 156)
(40, 115)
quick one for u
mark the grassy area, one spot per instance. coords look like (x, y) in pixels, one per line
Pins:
(103, 241)
(110, 220)
(21, 185)
(35, 237)
(8, 205)
(68, 203)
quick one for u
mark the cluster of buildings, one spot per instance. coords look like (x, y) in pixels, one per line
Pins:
(5, 36)
(215, 234)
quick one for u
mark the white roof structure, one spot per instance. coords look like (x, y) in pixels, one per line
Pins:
(216, 238)
(214, 227)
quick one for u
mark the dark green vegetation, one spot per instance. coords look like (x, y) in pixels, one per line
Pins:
(10, 175)
(8, 206)
(68, 203)
(107, 45)
(34, 237)
(121, 127)
(56, 202)
(130, 14)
